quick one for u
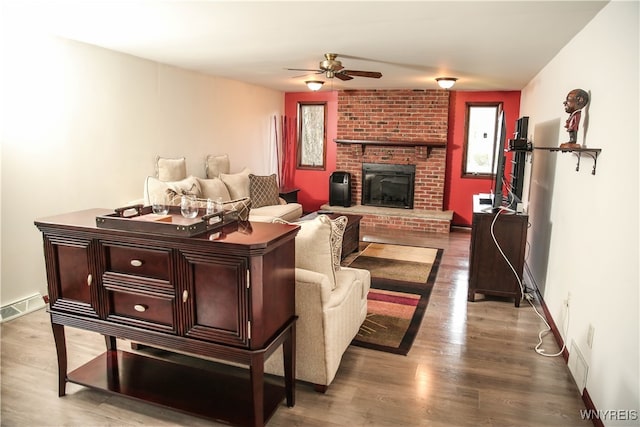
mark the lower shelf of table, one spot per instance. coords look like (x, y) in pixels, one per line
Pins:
(219, 392)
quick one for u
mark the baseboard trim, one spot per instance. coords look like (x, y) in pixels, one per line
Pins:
(586, 399)
(554, 328)
(547, 314)
(588, 403)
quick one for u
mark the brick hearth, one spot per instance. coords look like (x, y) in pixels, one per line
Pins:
(396, 116)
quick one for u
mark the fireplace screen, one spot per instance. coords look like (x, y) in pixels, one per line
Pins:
(388, 185)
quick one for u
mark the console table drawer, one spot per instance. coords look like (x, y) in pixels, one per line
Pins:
(133, 308)
(138, 261)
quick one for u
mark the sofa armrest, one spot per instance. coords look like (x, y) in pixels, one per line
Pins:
(364, 276)
(314, 285)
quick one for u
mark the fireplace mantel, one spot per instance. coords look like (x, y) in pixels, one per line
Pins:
(388, 143)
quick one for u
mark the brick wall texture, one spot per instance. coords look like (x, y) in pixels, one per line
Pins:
(396, 115)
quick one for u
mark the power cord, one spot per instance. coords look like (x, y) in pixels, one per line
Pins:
(528, 295)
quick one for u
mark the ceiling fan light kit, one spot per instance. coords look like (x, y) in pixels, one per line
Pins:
(446, 82)
(314, 85)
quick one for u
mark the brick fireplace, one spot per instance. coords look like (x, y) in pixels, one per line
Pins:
(403, 127)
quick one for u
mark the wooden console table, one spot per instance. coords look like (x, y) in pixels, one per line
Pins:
(228, 295)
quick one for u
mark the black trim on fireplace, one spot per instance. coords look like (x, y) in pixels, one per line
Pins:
(388, 185)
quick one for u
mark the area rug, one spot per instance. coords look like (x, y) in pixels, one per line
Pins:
(402, 278)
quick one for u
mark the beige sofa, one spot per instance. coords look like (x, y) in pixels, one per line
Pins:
(261, 191)
(331, 303)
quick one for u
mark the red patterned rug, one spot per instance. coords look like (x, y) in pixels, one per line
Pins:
(402, 278)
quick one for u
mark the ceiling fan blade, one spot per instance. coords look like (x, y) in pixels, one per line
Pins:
(306, 75)
(305, 69)
(371, 74)
(343, 76)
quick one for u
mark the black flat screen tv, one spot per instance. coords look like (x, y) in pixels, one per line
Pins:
(500, 160)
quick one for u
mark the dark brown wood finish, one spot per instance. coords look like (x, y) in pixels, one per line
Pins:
(416, 144)
(489, 272)
(351, 236)
(227, 294)
(290, 195)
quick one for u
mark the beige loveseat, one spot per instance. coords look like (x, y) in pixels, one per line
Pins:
(331, 303)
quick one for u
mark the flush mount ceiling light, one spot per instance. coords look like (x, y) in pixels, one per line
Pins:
(446, 82)
(314, 85)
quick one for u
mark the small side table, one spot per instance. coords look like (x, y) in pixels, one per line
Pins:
(290, 195)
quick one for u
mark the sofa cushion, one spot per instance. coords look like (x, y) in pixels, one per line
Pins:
(313, 247)
(285, 211)
(215, 165)
(237, 183)
(263, 190)
(171, 189)
(171, 169)
(213, 188)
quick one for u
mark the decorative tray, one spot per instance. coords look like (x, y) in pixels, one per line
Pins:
(140, 218)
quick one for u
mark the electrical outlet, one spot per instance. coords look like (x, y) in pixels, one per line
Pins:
(590, 333)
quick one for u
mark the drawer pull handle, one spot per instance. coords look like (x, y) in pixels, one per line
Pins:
(89, 280)
(185, 296)
(140, 308)
(136, 263)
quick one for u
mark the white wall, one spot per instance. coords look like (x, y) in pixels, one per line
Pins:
(82, 127)
(587, 225)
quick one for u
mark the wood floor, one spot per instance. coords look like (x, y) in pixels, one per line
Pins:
(472, 364)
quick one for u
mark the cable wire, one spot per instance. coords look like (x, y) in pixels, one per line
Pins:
(527, 296)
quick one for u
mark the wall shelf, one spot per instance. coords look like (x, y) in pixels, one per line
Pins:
(591, 152)
(387, 143)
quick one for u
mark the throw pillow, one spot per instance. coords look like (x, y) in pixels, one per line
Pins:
(215, 165)
(237, 183)
(171, 169)
(213, 188)
(338, 226)
(241, 206)
(263, 190)
(172, 190)
(313, 246)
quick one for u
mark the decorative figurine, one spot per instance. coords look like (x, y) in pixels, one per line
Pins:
(576, 100)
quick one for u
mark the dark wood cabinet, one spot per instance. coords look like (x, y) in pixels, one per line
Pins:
(489, 272)
(227, 295)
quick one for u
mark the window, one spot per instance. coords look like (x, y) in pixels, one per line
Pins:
(480, 139)
(312, 135)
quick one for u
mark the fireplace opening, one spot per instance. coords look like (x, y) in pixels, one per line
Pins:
(388, 185)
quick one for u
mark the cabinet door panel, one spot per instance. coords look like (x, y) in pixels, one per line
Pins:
(219, 299)
(74, 273)
(216, 294)
(72, 276)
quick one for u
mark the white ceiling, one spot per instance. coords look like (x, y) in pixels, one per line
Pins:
(499, 45)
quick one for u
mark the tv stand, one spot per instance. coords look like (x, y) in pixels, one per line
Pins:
(489, 273)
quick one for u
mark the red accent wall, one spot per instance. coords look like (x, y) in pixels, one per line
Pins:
(313, 184)
(459, 190)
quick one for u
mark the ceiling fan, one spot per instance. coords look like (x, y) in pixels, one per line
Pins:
(331, 68)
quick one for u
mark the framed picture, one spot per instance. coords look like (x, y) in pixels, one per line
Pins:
(312, 135)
